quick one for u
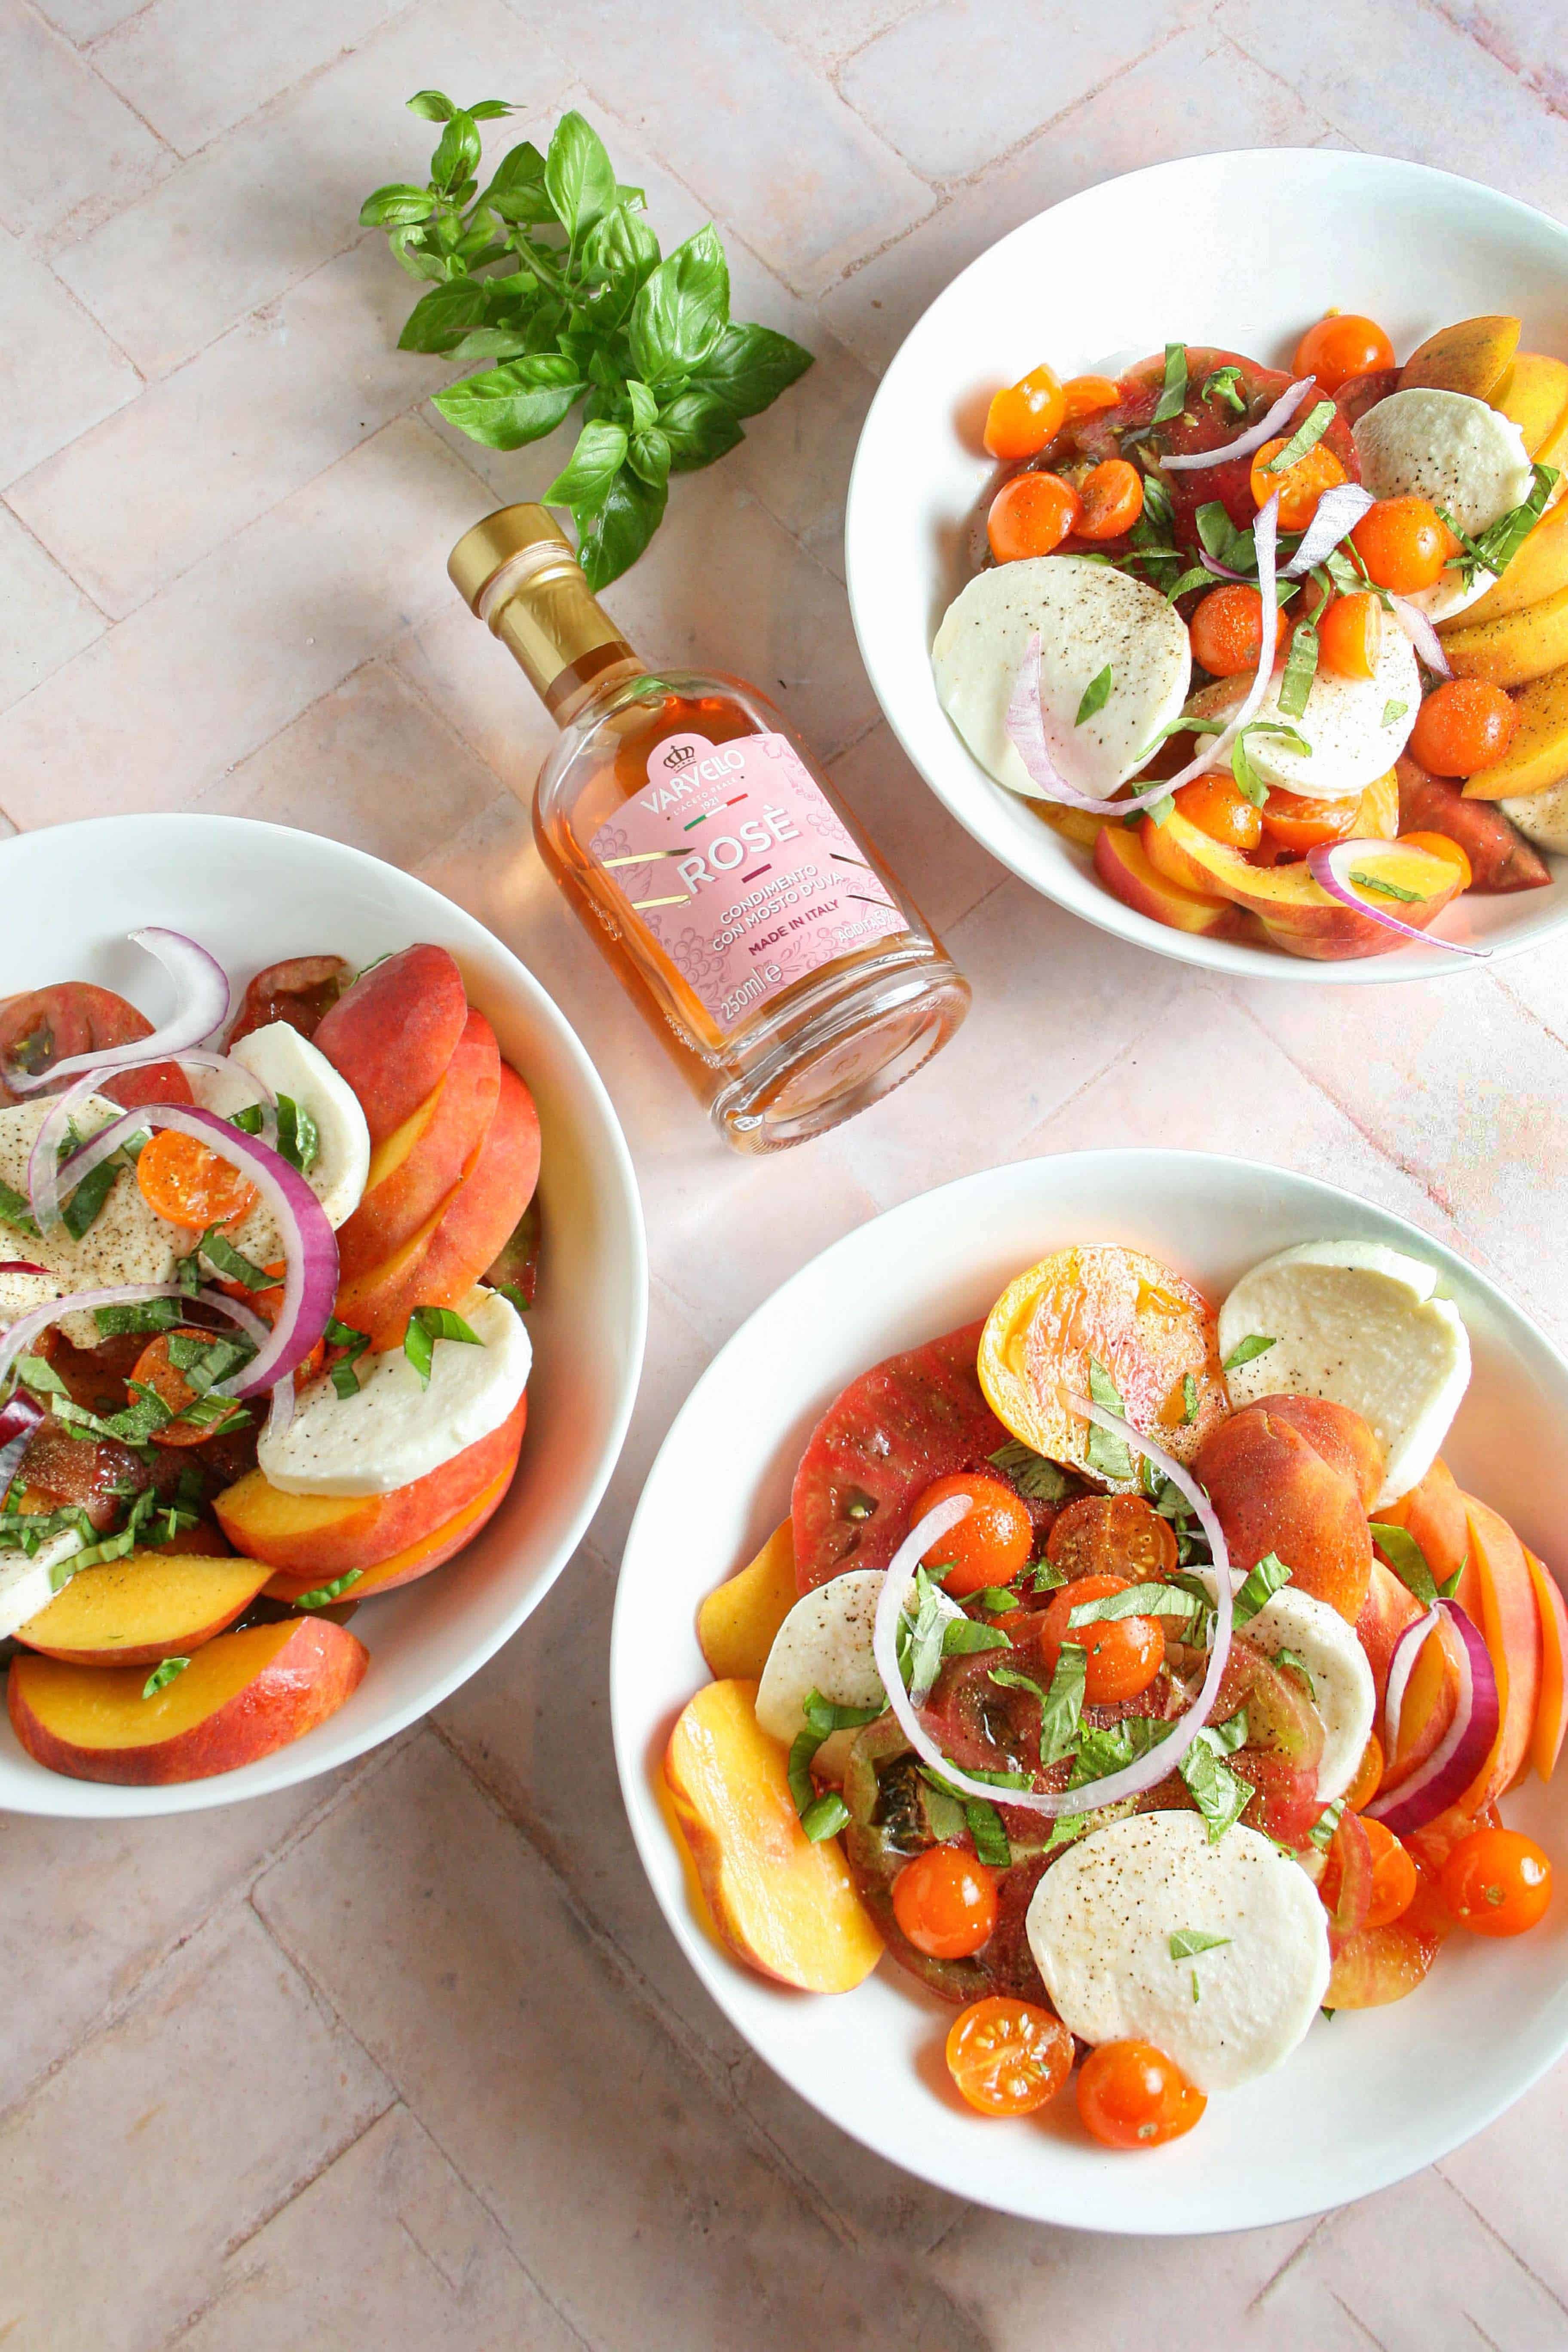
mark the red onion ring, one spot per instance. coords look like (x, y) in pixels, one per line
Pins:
(1245, 443)
(1458, 1759)
(1132, 1780)
(1025, 725)
(1336, 514)
(1324, 863)
(203, 1000)
(18, 1336)
(43, 1166)
(1418, 629)
(1401, 1666)
(1265, 539)
(21, 1417)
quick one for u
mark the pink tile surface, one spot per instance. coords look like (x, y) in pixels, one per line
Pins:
(409, 2061)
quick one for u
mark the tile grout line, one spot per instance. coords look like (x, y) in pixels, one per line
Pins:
(1470, 31)
(1358, 2323)
(1496, 2236)
(1292, 2259)
(83, 58)
(49, 556)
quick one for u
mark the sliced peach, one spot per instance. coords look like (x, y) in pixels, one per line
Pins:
(1431, 1697)
(1145, 1326)
(394, 1032)
(780, 1903)
(418, 1558)
(736, 1624)
(1122, 864)
(443, 1134)
(1388, 1607)
(242, 1695)
(1551, 1711)
(1296, 912)
(147, 1606)
(317, 1537)
(1273, 1492)
(1496, 1591)
(1377, 818)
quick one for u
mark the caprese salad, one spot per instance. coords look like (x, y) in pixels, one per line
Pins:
(263, 1352)
(1135, 1675)
(1394, 734)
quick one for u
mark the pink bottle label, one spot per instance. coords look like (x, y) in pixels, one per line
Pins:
(742, 871)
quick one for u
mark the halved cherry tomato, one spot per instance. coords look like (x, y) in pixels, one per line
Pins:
(1007, 2057)
(1111, 1535)
(988, 1546)
(1368, 1775)
(1217, 808)
(1463, 725)
(1227, 630)
(1403, 544)
(1085, 395)
(155, 1372)
(1342, 345)
(1123, 1654)
(1393, 1877)
(182, 1180)
(1300, 486)
(1030, 515)
(1350, 635)
(1110, 500)
(1441, 846)
(1024, 416)
(1130, 2095)
(945, 1902)
(1297, 822)
(1497, 1883)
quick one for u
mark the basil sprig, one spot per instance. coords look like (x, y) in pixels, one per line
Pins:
(551, 276)
(425, 1326)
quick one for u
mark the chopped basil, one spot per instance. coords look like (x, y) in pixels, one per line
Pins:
(821, 1817)
(425, 1326)
(963, 1634)
(1106, 1454)
(1158, 506)
(825, 1816)
(151, 1314)
(1292, 1663)
(1132, 1600)
(1307, 435)
(1393, 712)
(1408, 1561)
(344, 1376)
(1258, 1590)
(1300, 668)
(1494, 549)
(1220, 1795)
(995, 1599)
(1222, 385)
(1096, 695)
(78, 1214)
(1104, 1749)
(34, 1373)
(16, 1212)
(990, 1837)
(299, 1138)
(1450, 1584)
(218, 1250)
(163, 1674)
(1327, 1822)
(1248, 782)
(203, 1362)
(1189, 1399)
(1188, 1942)
(924, 1639)
(1220, 537)
(1045, 1575)
(511, 1292)
(1382, 889)
(1198, 577)
(1172, 397)
(1034, 1476)
(321, 1596)
(1256, 1343)
(1061, 1706)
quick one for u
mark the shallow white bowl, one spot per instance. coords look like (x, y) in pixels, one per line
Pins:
(1369, 2098)
(253, 894)
(1243, 250)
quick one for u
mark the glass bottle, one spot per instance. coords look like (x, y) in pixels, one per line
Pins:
(732, 894)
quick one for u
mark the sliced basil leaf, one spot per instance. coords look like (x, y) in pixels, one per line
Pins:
(322, 1595)
(151, 1314)
(163, 1674)
(1382, 889)
(1291, 1662)
(1034, 1475)
(1256, 1343)
(1106, 1454)
(1061, 1710)
(1327, 1822)
(218, 1250)
(1258, 1588)
(17, 1211)
(1300, 668)
(1307, 435)
(1220, 1795)
(1095, 696)
(1188, 1942)
(962, 1635)
(990, 1838)
(1393, 712)
(1173, 395)
(825, 1816)
(1189, 1400)
(1407, 1559)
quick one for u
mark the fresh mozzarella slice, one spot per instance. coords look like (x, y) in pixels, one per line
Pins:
(287, 1063)
(1090, 618)
(1542, 817)
(1342, 1689)
(126, 1242)
(226, 1089)
(1467, 458)
(1357, 1323)
(1348, 723)
(29, 1585)
(1101, 1925)
(824, 1645)
(396, 1430)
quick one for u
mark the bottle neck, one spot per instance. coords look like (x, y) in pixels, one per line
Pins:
(561, 638)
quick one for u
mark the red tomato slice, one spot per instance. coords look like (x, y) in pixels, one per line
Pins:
(54, 1025)
(908, 1422)
(301, 991)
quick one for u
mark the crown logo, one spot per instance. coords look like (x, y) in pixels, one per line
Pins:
(679, 754)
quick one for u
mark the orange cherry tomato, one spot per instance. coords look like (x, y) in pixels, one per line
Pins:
(945, 1902)
(1340, 346)
(988, 1546)
(154, 1370)
(1463, 725)
(1111, 1535)
(1393, 1877)
(1110, 500)
(182, 1180)
(1368, 1775)
(1217, 808)
(1441, 846)
(1300, 486)
(1085, 395)
(1124, 1653)
(1227, 630)
(1497, 1883)
(1403, 544)
(1350, 635)
(1130, 2095)
(1008, 2057)
(1297, 822)
(1030, 515)
(1024, 416)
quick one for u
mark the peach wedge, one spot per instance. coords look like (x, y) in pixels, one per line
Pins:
(736, 1624)
(150, 1605)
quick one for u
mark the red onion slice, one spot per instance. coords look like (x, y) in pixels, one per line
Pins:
(203, 1006)
(1245, 443)
(1337, 513)
(1025, 725)
(1401, 1667)
(1458, 1759)
(21, 1265)
(1324, 864)
(19, 1337)
(1214, 753)
(1132, 1780)
(1418, 629)
(20, 1418)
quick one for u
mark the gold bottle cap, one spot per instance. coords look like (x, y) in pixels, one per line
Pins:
(492, 544)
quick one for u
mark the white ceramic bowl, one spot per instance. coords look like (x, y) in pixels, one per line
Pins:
(1242, 250)
(1369, 2098)
(253, 893)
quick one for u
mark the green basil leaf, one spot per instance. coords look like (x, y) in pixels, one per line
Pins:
(579, 176)
(583, 482)
(1198, 577)
(323, 1595)
(491, 110)
(1257, 1590)
(1172, 397)
(1300, 668)
(1380, 889)
(1188, 1942)
(1327, 1822)
(1254, 1344)
(163, 1674)
(748, 368)
(1189, 1400)
(506, 407)
(456, 156)
(34, 1373)
(1106, 1455)
(1061, 1709)
(1220, 1795)
(617, 535)
(397, 204)
(1037, 1477)
(78, 1214)
(1134, 1600)
(433, 105)
(649, 457)
(645, 408)
(990, 1838)
(1501, 541)
(1095, 696)
(1307, 435)
(681, 309)
(1408, 1561)
(152, 1314)
(218, 1250)
(1393, 712)
(620, 254)
(1291, 1662)
(825, 1817)
(961, 1635)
